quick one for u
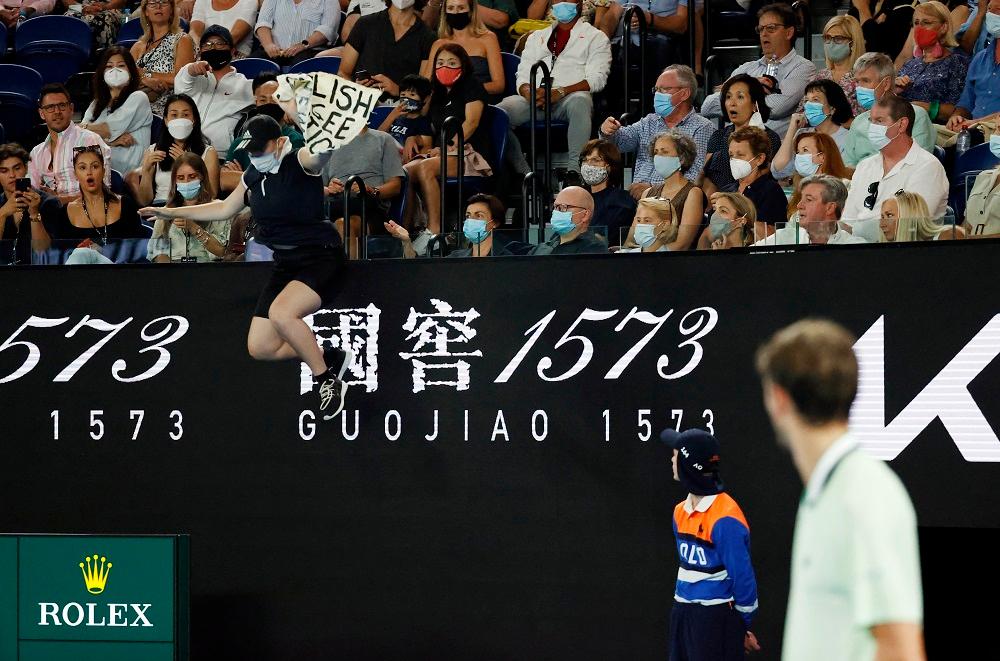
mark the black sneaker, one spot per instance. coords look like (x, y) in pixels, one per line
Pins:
(331, 387)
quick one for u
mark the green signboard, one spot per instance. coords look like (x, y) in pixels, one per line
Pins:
(77, 598)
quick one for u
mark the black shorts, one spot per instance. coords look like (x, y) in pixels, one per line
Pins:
(317, 267)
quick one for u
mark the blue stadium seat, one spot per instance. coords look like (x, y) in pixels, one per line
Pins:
(155, 129)
(254, 66)
(55, 46)
(328, 64)
(19, 87)
(967, 166)
(497, 124)
(3, 134)
(117, 182)
(510, 64)
(378, 116)
(129, 33)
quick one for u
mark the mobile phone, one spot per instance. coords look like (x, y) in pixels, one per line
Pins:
(361, 74)
(22, 184)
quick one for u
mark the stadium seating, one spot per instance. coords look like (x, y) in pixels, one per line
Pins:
(254, 66)
(19, 87)
(327, 64)
(54, 46)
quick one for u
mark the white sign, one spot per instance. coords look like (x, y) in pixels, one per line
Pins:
(330, 110)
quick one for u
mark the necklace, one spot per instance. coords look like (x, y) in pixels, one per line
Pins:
(102, 231)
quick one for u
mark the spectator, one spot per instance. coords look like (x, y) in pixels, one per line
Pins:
(38, 208)
(10, 16)
(820, 208)
(104, 18)
(783, 72)
(51, 164)
(980, 96)
(601, 170)
(672, 104)
(584, 55)
(374, 157)
(978, 29)
(885, 24)
(215, 85)
(731, 225)
(815, 153)
(666, 23)
(572, 213)
(901, 164)
(590, 11)
(98, 215)
(934, 77)
(185, 9)
(183, 240)
(385, 47)
(874, 74)
(161, 51)
(484, 214)
(905, 217)
(406, 123)
(356, 9)
(653, 229)
(181, 133)
(982, 210)
(237, 16)
(750, 166)
(743, 96)
(497, 15)
(843, 44)
(826, 112)
(457, 93)
(291, 31)
(120, 111)
(673, 155)
(460, 24)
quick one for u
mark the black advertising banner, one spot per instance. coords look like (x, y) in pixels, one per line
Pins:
(495, 487)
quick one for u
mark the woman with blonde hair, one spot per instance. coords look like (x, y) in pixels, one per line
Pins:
(843, 44)
(905, 217)
(460, 24)
(935, 77)
(161, 51)
(653, 228)
(731, 225)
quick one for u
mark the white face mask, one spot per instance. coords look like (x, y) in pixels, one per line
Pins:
(740, 168)
(756, 120)
(180, 128)
(402, 4)
(116, 77)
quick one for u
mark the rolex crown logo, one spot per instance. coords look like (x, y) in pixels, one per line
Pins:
(95, 574)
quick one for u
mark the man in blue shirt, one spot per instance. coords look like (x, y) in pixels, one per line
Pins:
(971, 35)
(981, 96)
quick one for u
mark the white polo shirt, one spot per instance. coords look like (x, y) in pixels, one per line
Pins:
(855, 562)
(917, 172)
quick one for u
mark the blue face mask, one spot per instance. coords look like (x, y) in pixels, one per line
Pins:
(475, 230)
(992, 24)
(663, 103)
(564, 12)
(644, 234)
(718, 226)
(995, 145)
(666, 165)
(411, 105)
(266, 163)
(562, 222)
(814, 113)
(805, 166)
(866, 97)
(189, 189)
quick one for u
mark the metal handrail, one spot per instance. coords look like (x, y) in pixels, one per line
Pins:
(547, 82)
(532, 206)
(455, 124)
(634, 12)
(355, 179)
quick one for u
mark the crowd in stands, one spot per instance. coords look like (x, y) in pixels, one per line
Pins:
(863, 150)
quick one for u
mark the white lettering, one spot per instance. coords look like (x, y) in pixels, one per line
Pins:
(140, 614)
(307, 430)
(539, 436)
(434, 435)
(116, 615)
(47, 610)
(65, 614)
(343, 426)
(500, 427)
(91, 622)
(399, 425)
(466, 424)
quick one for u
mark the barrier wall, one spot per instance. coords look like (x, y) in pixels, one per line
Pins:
(495, 488)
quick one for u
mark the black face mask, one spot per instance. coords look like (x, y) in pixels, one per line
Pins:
(458, 21)
(217, 59)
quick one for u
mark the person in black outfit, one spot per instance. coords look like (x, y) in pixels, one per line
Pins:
(614, 207)
(284, 190)
(885, 24)
(25, 216)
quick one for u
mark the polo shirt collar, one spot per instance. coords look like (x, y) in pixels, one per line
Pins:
(824, 467)
(781, 60)
(703, 505)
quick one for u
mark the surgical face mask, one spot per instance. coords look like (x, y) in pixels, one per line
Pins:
(837, 52)
(189, 189)
(116, 77)
(402, 4)
(562, 222)
(719, 226)
(644, 234)
(564, 12)
(593, 174)
(877, 135)
(411, 105)
(756, 120)
(992, 24)
(995, 145)
(266, 163)
(180, 128)
(475, 230)
(458, 21)
(740, 168)
(666, 165)
(866, 97)
(814, 113)
(663, 103)
(217, 58)
(805, 166)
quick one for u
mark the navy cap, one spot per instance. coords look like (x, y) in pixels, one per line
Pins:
(217, 31)
(698, 459)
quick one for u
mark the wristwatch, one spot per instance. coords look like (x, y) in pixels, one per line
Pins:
(562, 92)
(305, 42)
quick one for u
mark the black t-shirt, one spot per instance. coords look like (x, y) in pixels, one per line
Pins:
(128, 225)
(406, 127)
(452, 103)
(769, 200)
(379, 52)
(614, 208)
(288, 205)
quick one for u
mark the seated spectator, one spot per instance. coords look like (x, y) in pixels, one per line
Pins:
(789, 70)
(905, 217)
(290, 31)
(12, 14)
(183, 240)
(98, 215)
(666, 25)
(901, 164)
(672, 104)
(237, 16)
(497, 15)
(731, 225)
(104, 18)
(406, 123)
(373, 156)
(120, 111)
(457, 93)
(979, 95)
(885, 24)
(934, 77)
(843, 44)
(584, 55)
(51, 163)
(572, 214)
(826, 112)
(874, 74)
(24, 215)
(745, 107)
(484, 214)
(653, 229)
(978, 29)
(982, 210)
(161, 51)
(819, 216)
(355, 9)
(673, 155)
(460, 24)
(387, 46)
(815, 153)
(215, 85)
(601, 170)
(750, 166)
(181, 133)
(590, 11)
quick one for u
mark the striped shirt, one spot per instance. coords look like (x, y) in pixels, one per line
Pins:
(639, 136)
(55, 171)
(713, 542)
(292, 22)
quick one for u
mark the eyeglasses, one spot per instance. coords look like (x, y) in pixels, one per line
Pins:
(928, 23)
(665, 90)
(154, 3)
(872, 195)
(53, 107)
(214, 45)
(770, 28)
(840, 41)
(565, 207)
